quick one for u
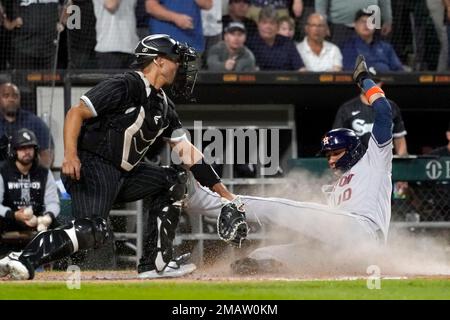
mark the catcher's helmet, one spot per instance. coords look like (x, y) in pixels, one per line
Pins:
(343, 139)
(23, 138)
(163, 45)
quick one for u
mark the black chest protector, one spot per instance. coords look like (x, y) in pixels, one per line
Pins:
(24, 190)
(124, 136)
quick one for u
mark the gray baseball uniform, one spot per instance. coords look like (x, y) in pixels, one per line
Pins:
(329, 224)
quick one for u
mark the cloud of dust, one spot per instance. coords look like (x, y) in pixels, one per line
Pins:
(405, 254)
(409, 253)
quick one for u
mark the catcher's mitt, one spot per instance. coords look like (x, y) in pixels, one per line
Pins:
(231, 225)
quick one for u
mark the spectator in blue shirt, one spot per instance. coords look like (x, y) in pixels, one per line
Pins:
(180, 19)
(379, 54)
(273, 51)
(13, 118)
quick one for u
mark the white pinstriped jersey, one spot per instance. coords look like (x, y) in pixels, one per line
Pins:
(366, 188)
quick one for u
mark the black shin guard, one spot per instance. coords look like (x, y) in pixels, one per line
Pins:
(46, 247)
(61, 242)
(158, 240)
(164, 215)
(167, 223)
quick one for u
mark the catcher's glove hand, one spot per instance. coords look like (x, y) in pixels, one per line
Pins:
(231, 225)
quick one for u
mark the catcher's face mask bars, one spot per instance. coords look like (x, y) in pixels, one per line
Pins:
(183, 85)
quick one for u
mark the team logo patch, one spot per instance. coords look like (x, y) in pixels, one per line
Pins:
(26, 136)
(130, 110)
(326, 140)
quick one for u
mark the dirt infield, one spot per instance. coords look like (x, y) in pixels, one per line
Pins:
(406, 258)
(205, 275)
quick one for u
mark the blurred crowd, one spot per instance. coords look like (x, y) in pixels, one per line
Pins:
(230, 35)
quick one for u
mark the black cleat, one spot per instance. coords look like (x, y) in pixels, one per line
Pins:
(361, 71)
(249, 266)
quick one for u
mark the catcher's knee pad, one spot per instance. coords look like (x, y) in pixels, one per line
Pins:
(87, 233)
(177, 177)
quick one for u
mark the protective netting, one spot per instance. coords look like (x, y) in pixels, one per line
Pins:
(29, 35)
(422, 201)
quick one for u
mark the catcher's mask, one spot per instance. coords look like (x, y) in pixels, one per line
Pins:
(163, 45)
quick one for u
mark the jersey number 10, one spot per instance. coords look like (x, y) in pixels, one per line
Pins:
(344, 196)
(347, 194)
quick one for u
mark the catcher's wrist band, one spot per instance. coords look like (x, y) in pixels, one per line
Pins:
(205, 174)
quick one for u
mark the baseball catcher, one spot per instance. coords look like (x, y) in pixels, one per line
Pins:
(106, 136)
